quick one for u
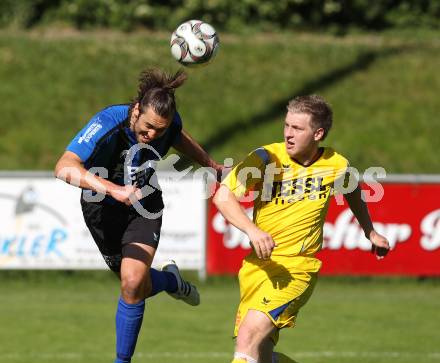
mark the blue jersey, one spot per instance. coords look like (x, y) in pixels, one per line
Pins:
(105, 141)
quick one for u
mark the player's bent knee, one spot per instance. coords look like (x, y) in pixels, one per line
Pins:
(134, 288)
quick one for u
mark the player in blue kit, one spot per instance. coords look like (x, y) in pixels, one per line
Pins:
(114, 155)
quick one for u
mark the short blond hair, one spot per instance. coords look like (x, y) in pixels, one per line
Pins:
(315, 106)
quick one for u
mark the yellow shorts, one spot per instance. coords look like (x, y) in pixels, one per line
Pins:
(275, 289)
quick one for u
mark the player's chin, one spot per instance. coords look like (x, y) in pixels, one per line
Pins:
(144, 140)
(291, 151)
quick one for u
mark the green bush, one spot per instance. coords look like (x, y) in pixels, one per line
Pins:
(26, 13)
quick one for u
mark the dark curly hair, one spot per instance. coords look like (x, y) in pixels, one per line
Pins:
(156, 90)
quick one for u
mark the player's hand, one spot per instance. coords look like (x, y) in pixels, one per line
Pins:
(122, 193)
(221, 171)
(262, 243)
(380, 245)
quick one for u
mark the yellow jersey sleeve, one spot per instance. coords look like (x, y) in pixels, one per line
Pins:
(248, 173)
(343, 177)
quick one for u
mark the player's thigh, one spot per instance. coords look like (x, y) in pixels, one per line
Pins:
(139, 244)
(137, 257)
(142, 231)
(107, 225)
(135, 271)
(256, 327)
(275, 292)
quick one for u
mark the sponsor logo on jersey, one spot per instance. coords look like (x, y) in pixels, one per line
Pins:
(295, 190)
(90, 132)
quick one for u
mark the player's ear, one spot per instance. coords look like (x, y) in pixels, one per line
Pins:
(135, 112)
(319, 134)
(136, 108)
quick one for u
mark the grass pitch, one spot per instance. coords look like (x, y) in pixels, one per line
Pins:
(59, 317)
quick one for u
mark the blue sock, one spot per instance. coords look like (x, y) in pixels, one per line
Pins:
(128, 323)
(162, 281)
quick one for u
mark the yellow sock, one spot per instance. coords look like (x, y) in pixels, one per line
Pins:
(239, 360)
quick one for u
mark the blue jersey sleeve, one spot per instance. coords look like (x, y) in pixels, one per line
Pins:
(95, 132)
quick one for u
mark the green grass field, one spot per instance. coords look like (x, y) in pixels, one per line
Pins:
(57, 317)
(384, 90)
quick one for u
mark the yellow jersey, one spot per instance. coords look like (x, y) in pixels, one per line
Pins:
(290, 200)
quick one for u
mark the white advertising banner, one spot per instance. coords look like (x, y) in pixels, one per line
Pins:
(42, 227)
(183, 235)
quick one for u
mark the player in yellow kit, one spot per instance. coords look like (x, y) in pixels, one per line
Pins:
(292, 183)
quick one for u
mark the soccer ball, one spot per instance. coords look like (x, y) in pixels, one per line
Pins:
(194, 42)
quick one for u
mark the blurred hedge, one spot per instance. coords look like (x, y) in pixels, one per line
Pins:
(225, 14)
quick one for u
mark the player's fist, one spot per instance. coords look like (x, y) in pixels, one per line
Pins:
(380, 245)
(123, 193)
(262, 243)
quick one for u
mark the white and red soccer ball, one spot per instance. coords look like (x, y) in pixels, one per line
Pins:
(194, 42)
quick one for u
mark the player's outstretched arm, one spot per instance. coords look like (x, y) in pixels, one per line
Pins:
(230, 208)
(192, 149)
(71, 169)
(380, 245)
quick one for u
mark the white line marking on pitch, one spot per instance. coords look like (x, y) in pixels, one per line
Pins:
(66, 356)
